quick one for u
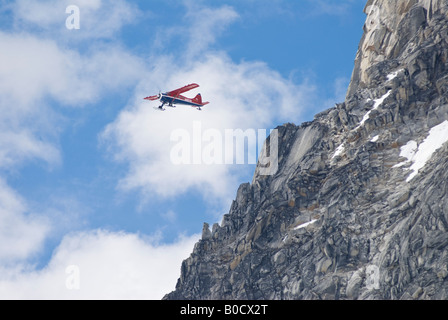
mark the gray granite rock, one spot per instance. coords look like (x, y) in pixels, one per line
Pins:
(340, 219)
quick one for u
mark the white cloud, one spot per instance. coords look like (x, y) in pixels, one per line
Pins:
(17, 146)
(21, 235)
(243, 95)
(200, 28)
(38, 78)
(110, 265)
(98, 18)
(36, 70)
(33, 70)
(205, 25)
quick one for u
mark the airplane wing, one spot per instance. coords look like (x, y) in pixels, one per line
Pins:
(177, 92)
(152, 98)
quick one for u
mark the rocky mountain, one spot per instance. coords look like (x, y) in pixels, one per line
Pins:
(358, 208)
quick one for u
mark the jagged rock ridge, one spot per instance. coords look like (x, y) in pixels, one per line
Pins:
(348, 215)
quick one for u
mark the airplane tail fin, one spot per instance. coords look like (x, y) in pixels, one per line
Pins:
(198, 99)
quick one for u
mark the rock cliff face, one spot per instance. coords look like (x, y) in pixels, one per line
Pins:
(358, 208)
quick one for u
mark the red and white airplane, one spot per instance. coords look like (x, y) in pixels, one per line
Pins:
(174, 97)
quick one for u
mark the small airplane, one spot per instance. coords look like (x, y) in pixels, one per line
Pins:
(174, 97)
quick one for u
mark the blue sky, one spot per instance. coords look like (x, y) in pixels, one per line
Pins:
(85, 173)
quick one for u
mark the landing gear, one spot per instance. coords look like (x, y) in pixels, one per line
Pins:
(199, 108)
(160, 108)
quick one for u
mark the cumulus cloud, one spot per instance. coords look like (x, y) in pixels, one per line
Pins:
(98, 18)
(38, 73)
(101, 265)
(21, 234)
(244, 95)
(23, 145)
(205, 25)
(36, 69)
(40, 76)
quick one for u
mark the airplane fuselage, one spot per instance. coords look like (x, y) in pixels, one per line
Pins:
(166, 99)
